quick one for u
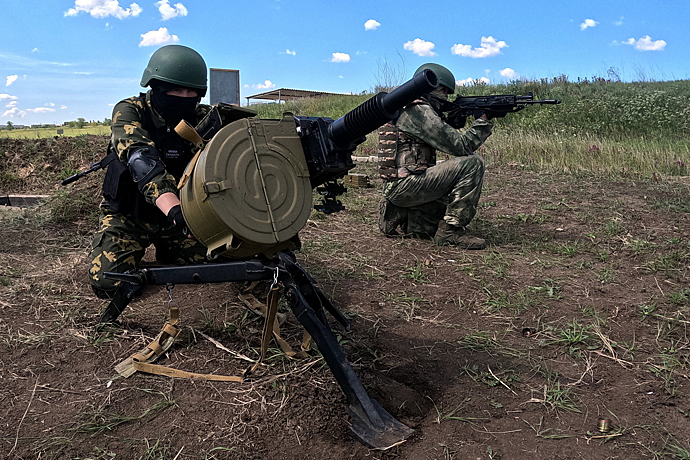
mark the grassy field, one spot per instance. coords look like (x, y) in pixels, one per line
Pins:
(602, 126)
(42, 133)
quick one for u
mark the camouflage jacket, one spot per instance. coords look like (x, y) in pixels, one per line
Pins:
(409, 145)
(136, 124)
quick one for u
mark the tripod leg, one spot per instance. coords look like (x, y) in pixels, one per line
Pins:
(372, 424)
(124, 294)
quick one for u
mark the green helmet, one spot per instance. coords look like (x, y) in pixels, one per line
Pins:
(445, 76)
(178, 65)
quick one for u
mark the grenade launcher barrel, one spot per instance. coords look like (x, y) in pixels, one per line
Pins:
(328, 144)
(381, 108)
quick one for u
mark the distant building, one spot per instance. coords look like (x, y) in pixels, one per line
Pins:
(287, 94)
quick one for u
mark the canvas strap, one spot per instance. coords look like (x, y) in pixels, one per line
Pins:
(187, 131)
(271, 318)
(143, 361)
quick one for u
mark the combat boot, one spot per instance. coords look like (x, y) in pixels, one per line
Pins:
(450, 235)
(391, 217)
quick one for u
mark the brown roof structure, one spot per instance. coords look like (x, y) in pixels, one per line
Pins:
(287, 94)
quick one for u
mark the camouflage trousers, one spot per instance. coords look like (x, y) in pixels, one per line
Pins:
(121, 243)
(448, 191)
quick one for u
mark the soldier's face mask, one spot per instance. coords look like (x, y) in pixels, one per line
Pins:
(440, 93)
(436, 98)
(174, 108)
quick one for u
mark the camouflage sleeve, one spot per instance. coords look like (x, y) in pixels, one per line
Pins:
(420, 121)
(128, 134)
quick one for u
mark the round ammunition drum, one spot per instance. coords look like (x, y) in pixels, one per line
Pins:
(249, 191)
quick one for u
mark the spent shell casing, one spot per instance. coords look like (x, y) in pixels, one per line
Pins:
(604, 425)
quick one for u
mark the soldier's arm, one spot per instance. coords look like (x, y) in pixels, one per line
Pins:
(421, 121)
(129, 136)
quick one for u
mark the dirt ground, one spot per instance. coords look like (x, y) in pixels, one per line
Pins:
(578, 310)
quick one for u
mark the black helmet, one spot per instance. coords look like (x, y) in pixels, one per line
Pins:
(179, 65)
(445, 76)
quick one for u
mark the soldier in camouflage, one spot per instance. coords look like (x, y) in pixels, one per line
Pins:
(141, 205)
(423, 199)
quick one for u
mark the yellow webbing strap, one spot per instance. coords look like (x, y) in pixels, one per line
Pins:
(143, 360)
(264, 311)
(170, 372)
(153, 350)
(270, 318)
(186, 131)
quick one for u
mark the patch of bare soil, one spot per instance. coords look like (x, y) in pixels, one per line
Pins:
(577, 310)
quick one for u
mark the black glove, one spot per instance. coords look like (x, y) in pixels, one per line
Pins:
(176, 218)
(495, 114)
(456, 119)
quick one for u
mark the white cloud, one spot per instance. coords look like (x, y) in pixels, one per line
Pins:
(619, 22)
(158, 37)
(509, 73)
(420, 47)
(473, 81)
(35, 50)
(588, 23)
(103, 9)
(371, 25)
(169, 12)
(267, 84)
(14, 112)
(7, 97)
(11, 79)
(41, 110)
(646, 44)
(340, 57)
(489, 47)
(291, 53)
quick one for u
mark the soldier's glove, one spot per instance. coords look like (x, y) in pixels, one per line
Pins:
(176, 218)
(457, 119)
(494, 114)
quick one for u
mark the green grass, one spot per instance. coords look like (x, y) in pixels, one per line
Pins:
(42, 133)
(100, 420)
(602, 125)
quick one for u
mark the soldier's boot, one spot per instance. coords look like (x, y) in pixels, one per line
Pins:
(450, 235)
(391, 217)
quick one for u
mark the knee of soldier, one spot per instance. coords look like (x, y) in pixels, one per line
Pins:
(477, 162)
(106, 294)
(99, 283)
(103, 288)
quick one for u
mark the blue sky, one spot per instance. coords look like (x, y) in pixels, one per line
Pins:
(62, 60)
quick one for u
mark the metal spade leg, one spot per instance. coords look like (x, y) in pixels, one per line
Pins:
(371, 424)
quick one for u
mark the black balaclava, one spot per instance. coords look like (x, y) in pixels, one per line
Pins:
(173, 108)
(437, 99)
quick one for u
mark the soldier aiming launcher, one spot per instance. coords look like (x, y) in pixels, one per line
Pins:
(248, 195)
